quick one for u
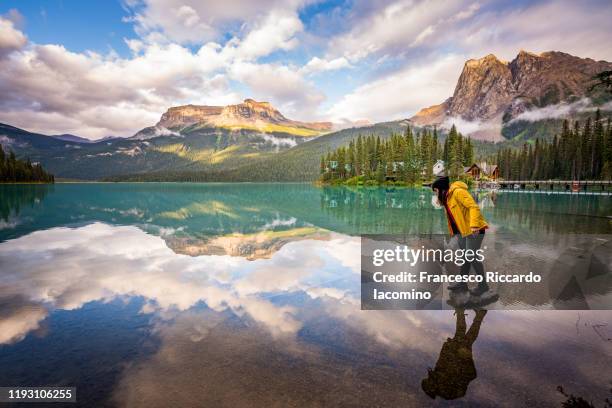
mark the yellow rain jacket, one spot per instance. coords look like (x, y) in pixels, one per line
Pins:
(464, 209)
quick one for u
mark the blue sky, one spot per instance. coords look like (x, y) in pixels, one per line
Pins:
(98, 68)
(78, 25)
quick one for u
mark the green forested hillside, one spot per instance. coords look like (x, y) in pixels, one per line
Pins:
(300, 163)
(197, 150)
(582, 151)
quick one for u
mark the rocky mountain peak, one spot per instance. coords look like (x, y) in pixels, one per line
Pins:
(528, 54)
(186, 115)
(251, 109)
(485, 61)
(249, 114)
(494, 91)
(483, 90)
(257, 105)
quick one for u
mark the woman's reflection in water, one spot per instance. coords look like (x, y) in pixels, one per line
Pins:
(455, 368)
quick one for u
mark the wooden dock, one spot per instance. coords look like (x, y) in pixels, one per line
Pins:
(553, 186)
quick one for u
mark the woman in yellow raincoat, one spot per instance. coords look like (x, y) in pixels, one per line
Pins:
(466, 222)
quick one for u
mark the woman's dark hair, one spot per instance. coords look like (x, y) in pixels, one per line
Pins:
(442, 184)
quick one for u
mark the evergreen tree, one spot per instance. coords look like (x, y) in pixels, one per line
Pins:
(351, 159)
(380, 174)
(606, 172)
(578, 153)
(537, 154)
(359, 156)
(468, 153)
(435, 149)
(597, 146)
(455, 158)
(13, 170)
(587, 145)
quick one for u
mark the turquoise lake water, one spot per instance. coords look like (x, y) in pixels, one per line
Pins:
(162, 294)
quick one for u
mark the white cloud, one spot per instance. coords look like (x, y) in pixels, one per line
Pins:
(401, 94)
(281, 84)
(157, 131)
(171, 21)
(393, 26)
(317, 64)
(489, 130)
(578, 28)
(196, 22)
(420, 38)
(467, 127)
(275, 32)
(10, 38)
(278, 141)
(403, 26)
(14, 16)
(560, 110)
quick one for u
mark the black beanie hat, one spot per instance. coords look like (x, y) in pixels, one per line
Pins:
(441, 183)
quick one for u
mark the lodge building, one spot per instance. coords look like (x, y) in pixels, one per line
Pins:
(481, 170)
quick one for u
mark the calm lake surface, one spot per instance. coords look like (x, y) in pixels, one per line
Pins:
(167, 295)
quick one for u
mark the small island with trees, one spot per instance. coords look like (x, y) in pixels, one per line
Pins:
(582, 151)
(14, 170)
(399, 160)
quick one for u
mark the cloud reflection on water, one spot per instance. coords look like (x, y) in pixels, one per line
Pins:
(297, 313)
(64, 268)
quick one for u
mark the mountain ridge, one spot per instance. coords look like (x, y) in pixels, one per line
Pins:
(250, 114)
(493, 92)
(204, 151)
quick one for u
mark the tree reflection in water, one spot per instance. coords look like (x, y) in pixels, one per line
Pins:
(16, 197)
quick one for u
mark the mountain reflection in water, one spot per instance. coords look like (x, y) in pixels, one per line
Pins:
(248, 295)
